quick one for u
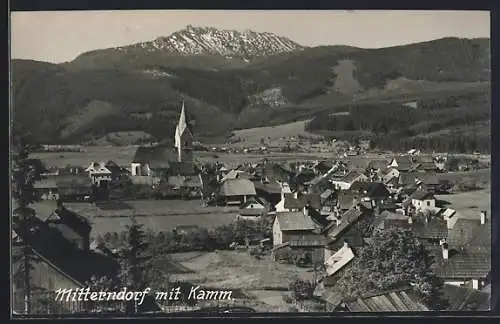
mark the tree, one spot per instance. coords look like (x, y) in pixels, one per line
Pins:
(302, 290)
(134, 260)
(392, 258)
(22, 178)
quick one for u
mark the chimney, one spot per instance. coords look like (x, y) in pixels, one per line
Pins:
(410, 220)
(306, 210)
(445, 250)
(346, 245)
(483, 217)
(295, 195)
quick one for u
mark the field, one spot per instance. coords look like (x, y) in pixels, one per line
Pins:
(469, 204)
(252, 136)
(157, 215)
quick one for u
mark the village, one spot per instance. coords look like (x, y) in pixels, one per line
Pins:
(281, 234)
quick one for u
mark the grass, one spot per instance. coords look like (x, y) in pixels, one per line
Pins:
(469, 204)
(239, 270)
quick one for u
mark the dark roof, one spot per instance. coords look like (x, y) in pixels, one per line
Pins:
(435, 228)
(396, 301)
(251, 212)
(71, 219)
(430, 178)
(252, 200)
(463, 265)
(469, 233)
(305, 240)
(181, 168)
(73, 181)
(422, 195)
(158, 156)
(372, 189)
(48, 182)
(79, 265)
(351, 176)
(314, 200)
(295, 221)
(466, 299)
(377, 164)
(348, 218)
(407, 178)
(269, 188)
(237, 187)
(345, 200)
(404, 162)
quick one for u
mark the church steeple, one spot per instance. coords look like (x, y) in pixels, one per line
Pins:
(183, 138)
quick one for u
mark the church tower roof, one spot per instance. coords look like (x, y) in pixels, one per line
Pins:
(182, 126)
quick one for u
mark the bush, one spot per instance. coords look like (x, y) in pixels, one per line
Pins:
(302, 290)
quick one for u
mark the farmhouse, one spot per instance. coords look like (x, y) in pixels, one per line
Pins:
(236, 191)
(252, 209)
(374, 192)
(46, 188)
(74, 187)
(162, 160)
(421, 201)
(99, 174)
(341, 230)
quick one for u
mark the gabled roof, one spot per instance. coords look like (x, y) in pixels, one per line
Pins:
(295, 221)
(252, 200)
(345, 200)
(396, 301)
(339, 260)
(372, 189)
(73, 181)
(351, 176)
(326, 194)
(404, 162)
(98, 167)
(158, 157)
(471, 234)
(463, 265)
(348, 218)
(429, 178)
(67, 217)
(435, 228)
(270, 188)
(237, 187)
(407, 178)
(422, 195)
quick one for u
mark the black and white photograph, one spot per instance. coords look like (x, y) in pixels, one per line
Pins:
(173, 162)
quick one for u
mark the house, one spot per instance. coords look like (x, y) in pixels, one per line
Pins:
(344, 182)
(346, 200)
(421, 201)
(236, 191)
(252, 209)
(463, 267)
(56, 263)
(426, 165)
(294, 202)
(46, 188)
(99, 174)
(159, 160)
(116, 171)
(373, 192)
(388, 219)
(73, 227)
(408, 179)
(430, 230)
(342, 229)
(298, 231)
(429, 182)
(74, 187)
(71, 170)
(327, 198)
(377, 165)
(270, 192)
(401, 300)
(403, 163)
(188, 186)
(235, 174)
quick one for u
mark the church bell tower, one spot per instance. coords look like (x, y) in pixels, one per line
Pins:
(183, 139)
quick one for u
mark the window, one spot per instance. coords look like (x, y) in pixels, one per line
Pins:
(428, 203)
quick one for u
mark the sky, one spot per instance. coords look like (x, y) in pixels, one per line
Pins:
(58, 37)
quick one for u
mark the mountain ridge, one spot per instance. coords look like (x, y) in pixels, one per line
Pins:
(142, 93)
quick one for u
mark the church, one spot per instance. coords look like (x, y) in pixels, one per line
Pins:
(163, 161)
